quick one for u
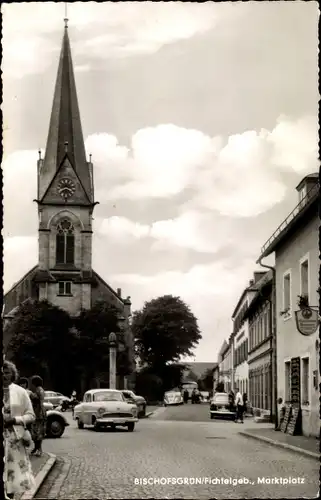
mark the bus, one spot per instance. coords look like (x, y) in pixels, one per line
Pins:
(190, 386)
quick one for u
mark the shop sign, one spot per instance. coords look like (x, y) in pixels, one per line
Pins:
(307, 320)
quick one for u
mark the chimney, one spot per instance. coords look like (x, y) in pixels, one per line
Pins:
(119, 292)
(251, 283)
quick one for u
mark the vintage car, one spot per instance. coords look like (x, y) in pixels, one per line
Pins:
(138, 400)
(221, 407)
(205, 396)
(173, 397)
(105, 408)
(55, 423)
(55, 398)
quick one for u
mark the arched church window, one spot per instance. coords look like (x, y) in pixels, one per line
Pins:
(65, 242)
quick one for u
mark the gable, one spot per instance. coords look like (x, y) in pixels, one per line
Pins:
(103, 291)
(67, 173)
(20, 291)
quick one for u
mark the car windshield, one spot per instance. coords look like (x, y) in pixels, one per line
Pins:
(108, 396)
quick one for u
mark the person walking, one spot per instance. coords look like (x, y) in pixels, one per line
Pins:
(17, 414)
(244, 403)
(185, 396)
(239, 406)
(38, 428)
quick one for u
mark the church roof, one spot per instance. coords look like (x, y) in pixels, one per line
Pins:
(65, 130)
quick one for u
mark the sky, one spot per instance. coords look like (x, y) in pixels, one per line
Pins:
(201, 120)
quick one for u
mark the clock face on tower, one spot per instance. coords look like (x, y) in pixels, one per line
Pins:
(66, 188)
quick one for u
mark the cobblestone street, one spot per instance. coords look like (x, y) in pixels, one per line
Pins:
(105, 464)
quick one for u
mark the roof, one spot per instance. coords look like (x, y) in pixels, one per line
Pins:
(65, 130)
(266, 281)
(200, 368)
(299, 214)
(20, 281)
(96, 275)
(93, 391)
(309, 177)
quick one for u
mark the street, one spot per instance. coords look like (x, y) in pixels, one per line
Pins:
(177, 442)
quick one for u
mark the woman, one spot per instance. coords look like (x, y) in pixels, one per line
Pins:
(17, 414)
(38, 428)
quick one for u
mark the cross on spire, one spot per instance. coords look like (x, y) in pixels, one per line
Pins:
(66, 15)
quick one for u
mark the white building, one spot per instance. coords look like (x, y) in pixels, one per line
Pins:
(296, 247)
(240, 335)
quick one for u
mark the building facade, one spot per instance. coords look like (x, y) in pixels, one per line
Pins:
(260, 344)
(226, 365)
(65, 203)
(296, 247)
(240, 338)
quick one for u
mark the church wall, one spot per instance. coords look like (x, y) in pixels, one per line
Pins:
(71, 304)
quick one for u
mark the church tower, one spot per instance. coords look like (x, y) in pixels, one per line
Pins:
(65, 199)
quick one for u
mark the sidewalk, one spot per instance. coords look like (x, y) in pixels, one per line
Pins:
(41, 466)
(309, 446)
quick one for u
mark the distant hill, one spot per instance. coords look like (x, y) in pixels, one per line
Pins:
(198, 369)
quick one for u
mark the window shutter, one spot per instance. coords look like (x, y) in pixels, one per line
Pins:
(70, 249)
(60, 247)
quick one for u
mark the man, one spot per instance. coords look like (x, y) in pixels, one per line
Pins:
(239, 406)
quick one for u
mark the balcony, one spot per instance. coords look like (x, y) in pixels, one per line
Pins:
(311, 195)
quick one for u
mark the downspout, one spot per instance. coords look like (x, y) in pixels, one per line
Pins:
(274, 345)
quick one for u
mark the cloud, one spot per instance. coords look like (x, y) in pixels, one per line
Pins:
(20, 255)
(19, 189)
(107, 30)
(295, 144)
(120, 229)
(238, 177)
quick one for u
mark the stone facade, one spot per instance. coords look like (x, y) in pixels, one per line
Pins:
(64, 274)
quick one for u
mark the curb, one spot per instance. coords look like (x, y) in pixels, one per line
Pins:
(287, 446)
(40, 477)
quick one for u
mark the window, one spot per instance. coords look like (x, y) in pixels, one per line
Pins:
(302, 193)
(266, 325)
(65, 243)
(304, 278)
(64, 288)
(287, 294)
(287, 380)
(305, 381)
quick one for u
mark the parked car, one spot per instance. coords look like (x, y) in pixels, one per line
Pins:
(140, 402)
(105, 408)
(221, 407)
(173, 397)
(205, 396)
(55, 398)
(56, 422)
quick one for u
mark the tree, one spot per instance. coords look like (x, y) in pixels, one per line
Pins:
(40, 342)
(206, 381)
(164, 330)
(93, 327)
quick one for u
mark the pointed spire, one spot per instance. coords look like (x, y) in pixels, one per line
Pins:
(65, 125)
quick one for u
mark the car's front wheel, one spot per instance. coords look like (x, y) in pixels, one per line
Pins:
(131, 426)
(55, 427)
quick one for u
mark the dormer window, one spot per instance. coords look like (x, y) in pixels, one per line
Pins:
(302, 193)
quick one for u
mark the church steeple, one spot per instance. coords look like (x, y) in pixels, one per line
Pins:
(65, 135)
